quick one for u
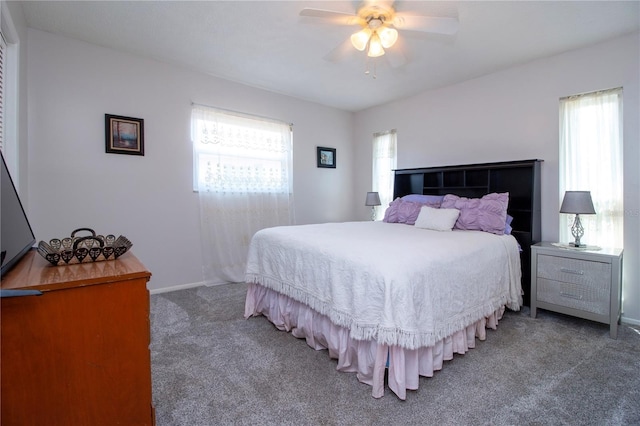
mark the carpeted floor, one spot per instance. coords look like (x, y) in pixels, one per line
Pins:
(210, 366)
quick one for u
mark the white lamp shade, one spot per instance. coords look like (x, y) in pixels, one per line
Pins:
(577, 202)
(375, 46)
(360, 39)
(388, 37)
(373, 199)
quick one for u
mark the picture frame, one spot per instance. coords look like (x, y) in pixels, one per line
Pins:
(326, 157)
(124, 135)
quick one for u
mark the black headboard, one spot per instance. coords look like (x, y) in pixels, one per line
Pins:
(521, 179)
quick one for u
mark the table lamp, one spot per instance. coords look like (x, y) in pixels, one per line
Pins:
(373, 200)
(577, 202)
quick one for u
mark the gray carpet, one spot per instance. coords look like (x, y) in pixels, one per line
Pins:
(210, 366)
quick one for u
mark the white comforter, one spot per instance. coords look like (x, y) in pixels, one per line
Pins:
(393, 283)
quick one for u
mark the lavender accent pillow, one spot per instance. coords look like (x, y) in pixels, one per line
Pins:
(408, 212)
(507, 225)
(488, 213)
(391, 214)
(401, 211)
(430, 200)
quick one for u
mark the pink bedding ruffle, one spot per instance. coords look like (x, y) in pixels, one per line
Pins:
(366, 358)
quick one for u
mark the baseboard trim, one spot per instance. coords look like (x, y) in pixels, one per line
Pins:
(185, 286)
(629, 321)
(176, 288)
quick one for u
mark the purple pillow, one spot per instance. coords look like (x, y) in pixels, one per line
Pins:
(424, 199)
(488, 213)
(408, 212)
(401, 211)
(391, 214)
(507, 226)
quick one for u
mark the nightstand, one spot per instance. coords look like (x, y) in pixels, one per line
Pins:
(582, 283)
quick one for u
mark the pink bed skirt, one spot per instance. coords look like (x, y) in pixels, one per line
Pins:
(366, 358)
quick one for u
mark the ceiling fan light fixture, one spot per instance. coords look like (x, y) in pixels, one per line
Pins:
(375, 46)
(360, 39)
(388, 37)
(380, 26)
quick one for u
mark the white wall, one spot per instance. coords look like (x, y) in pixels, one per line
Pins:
(513, 115)
(150, 200)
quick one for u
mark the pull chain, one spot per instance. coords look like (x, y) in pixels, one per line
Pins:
(367, 72)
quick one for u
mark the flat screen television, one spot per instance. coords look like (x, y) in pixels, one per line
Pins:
(16, 235)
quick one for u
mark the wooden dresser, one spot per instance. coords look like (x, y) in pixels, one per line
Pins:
(79, 353)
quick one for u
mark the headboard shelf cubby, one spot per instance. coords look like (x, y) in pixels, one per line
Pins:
(521, 179)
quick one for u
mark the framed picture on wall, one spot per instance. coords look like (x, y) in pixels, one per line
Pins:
(326, 157)
(124, 135)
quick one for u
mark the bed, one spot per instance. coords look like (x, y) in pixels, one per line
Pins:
(397, 298)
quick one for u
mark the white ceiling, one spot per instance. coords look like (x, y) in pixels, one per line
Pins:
(266, 44)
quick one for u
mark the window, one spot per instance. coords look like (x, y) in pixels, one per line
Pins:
(236, 153)
(243, 175)
(384, 163)
(591, 160)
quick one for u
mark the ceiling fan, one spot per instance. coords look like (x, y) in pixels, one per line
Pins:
(379, 24)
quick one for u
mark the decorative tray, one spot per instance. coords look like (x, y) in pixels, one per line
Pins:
(89, 248)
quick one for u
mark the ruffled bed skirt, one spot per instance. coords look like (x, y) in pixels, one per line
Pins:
(366, 358)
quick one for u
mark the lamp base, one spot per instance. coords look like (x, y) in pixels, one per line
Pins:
(577, 231)
(578, 245)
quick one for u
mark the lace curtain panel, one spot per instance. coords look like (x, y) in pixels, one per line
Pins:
(591, 160)
(243, 175)
(384, 163)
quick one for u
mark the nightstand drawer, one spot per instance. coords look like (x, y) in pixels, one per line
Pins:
(576, 271)
(587, 298)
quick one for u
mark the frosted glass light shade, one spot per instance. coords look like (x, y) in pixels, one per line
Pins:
(388, 37)
(375, 46)
(359, 40)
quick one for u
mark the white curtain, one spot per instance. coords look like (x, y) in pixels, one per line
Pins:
(243, 175)
(384, 163)
(591, 160)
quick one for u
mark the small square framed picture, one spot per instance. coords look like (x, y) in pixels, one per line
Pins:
(326, 157)
(124, 135)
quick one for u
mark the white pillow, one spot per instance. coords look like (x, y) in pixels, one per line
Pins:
(437, 219)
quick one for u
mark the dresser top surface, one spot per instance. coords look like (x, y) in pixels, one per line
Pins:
(35, 273)
(602, 251)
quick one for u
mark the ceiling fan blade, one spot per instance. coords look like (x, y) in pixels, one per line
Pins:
(340, 18)
(426, 24)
